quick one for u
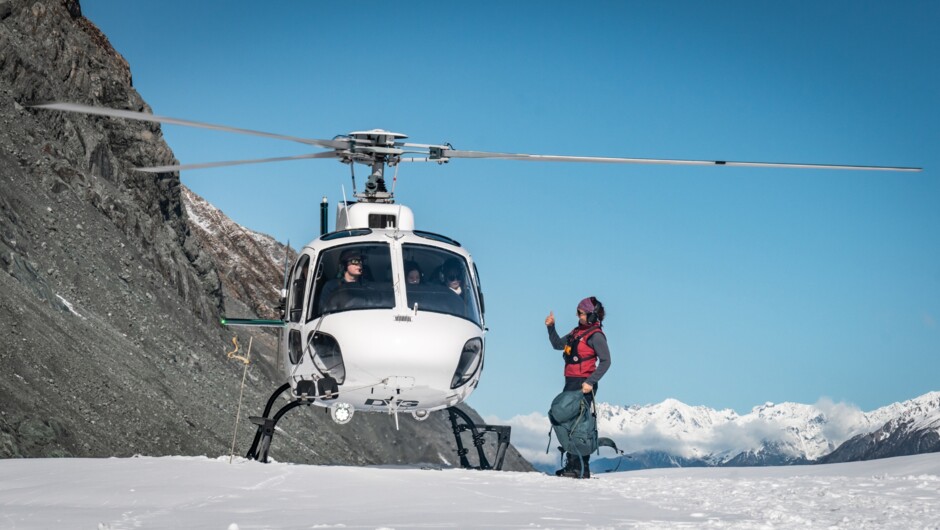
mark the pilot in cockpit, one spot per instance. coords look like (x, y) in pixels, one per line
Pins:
(352, 263)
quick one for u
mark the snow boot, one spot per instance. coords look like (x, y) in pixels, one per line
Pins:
(569, 468)
(575, 467)
(586, 469)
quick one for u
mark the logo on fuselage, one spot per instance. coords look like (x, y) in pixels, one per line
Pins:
(387, 402)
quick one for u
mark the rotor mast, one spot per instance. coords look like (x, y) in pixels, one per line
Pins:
(376, 148)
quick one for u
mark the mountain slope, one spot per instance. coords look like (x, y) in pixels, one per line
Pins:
(105, 299)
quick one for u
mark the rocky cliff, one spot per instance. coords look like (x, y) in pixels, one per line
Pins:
(110, 295)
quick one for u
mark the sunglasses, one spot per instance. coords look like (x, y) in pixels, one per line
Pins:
(355, 261)
(453, 276)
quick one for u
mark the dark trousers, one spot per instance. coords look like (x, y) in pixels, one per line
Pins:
(574, 383)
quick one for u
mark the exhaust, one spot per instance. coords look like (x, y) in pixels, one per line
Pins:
(323, 216)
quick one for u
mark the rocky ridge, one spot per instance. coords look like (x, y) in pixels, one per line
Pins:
(248, 261)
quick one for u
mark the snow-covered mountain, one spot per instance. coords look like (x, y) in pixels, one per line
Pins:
(771, 434)
(913, 430)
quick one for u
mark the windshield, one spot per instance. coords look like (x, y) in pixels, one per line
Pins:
(350, 277)
(439, 281)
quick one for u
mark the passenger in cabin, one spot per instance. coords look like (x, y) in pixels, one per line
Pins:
(452, 275)
(446, 289)
(413, 274)
(352, 263)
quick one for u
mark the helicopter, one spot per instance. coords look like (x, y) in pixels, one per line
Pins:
(378, 275)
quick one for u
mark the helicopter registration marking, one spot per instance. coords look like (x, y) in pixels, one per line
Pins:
(387, 402)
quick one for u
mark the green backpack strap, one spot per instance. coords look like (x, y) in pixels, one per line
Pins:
(607, 442)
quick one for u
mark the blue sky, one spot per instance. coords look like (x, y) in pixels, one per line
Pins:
(725, 287)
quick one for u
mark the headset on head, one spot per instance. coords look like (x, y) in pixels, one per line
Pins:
(449, 268)
(592, 317)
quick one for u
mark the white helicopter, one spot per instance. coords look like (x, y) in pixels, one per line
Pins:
(379, 316)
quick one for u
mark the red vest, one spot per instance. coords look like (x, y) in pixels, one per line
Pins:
(580, 359)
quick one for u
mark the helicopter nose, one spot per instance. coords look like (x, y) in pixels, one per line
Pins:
(411, 359)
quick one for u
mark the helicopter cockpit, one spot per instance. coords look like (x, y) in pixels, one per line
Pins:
(361, 276)
(352, 277)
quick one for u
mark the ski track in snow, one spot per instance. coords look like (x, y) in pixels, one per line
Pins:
(193, 492)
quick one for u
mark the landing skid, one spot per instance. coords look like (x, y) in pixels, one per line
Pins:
(477, 433)
(266, 428)
(262, 442)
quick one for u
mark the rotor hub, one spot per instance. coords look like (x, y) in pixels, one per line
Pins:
(376, 148)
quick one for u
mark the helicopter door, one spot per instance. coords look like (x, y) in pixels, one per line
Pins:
(295, 308)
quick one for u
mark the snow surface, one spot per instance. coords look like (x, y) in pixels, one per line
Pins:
(198, 492)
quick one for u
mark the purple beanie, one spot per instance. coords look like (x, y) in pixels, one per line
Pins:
(586, 305)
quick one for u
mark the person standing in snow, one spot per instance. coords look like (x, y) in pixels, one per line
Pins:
(587, 359)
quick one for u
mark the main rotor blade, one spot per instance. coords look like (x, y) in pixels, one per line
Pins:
(143, 116)
(452, 153)
(204, 165)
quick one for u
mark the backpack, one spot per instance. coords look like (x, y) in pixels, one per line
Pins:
(574, 423)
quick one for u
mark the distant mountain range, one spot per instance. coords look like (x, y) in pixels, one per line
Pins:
(673, 434)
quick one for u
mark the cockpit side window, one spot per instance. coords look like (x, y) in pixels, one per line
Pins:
(352, 277)
(479, 289)
(439, 281)
(298, 283)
